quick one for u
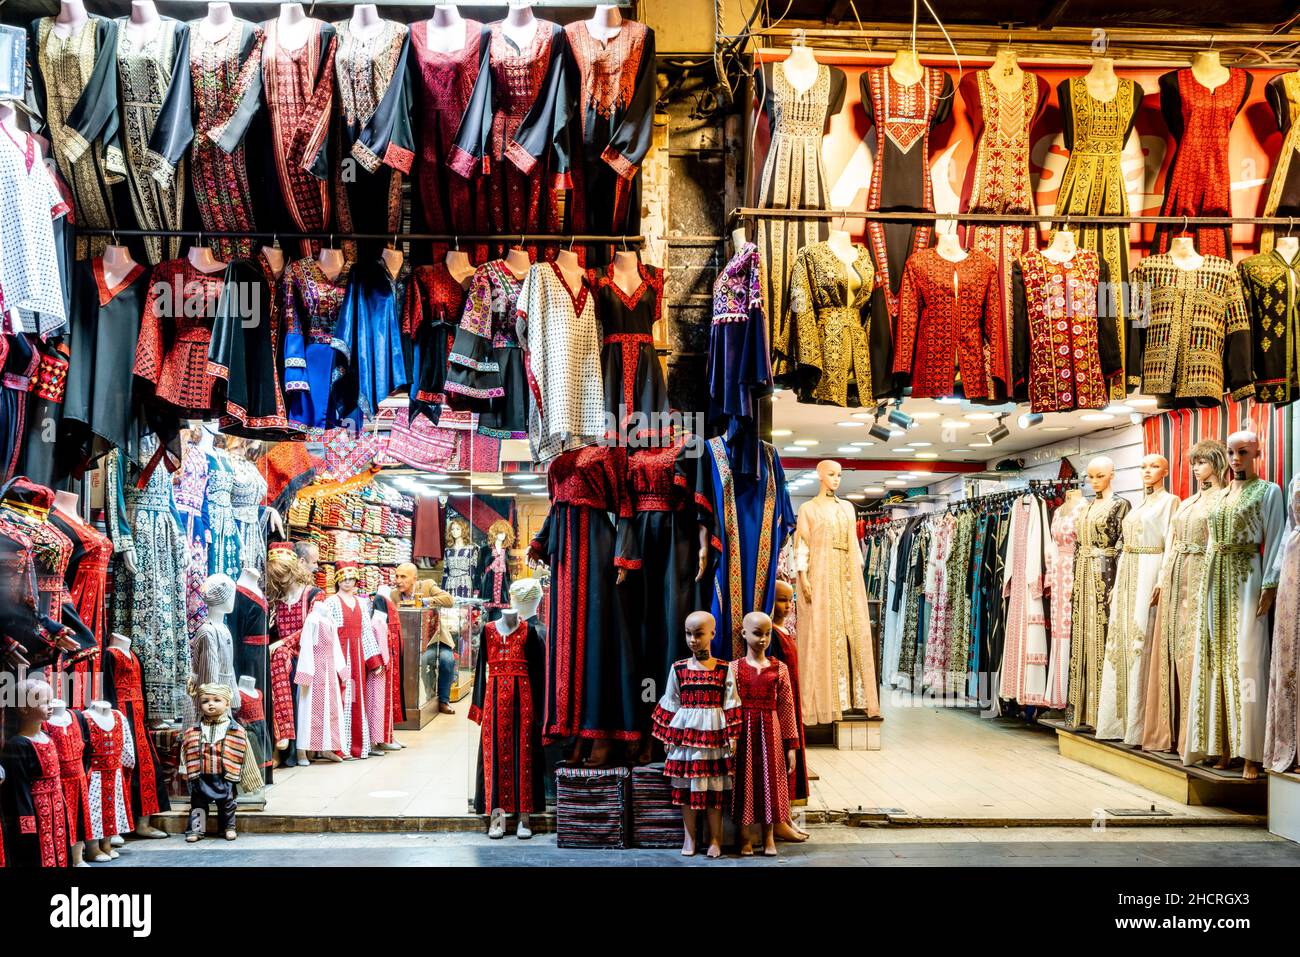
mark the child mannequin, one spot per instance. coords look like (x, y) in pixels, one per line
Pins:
(700, 737)
(767, 735)
(32, 798)
(786, 649)
(67, 729)
(112, 752)
(213, 754)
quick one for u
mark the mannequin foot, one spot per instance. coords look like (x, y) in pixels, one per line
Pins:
(302, 759)
(715, 849)
(333, 757)
(688, 846)
(1250, 771)
(523, 831)
(747, 849)
(389, 746)
(769, 850)
(282, 745)
(785, 831)
(230, 834)
(646, 754)
(117, 840)
(599, 753)
(497, 826)
(113, 855)
(146, 830)
(1224, 763)
(193, 838)
(99, 857)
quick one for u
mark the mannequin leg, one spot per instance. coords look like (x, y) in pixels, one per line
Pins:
(786, 831)
(79, 854)
(1250, 771)
(106, 848)
(599, 753)
(226, 812)
(769, 840)
(714, 815)
(302, 759)
(688, 827)
(746, 841)
(497, 824)
(145, 828)
(523, 831)
(198, 823)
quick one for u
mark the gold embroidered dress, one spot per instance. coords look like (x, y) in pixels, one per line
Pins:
(1229, 696)
(1093, 181)
(1271, 286)
(1095, 557)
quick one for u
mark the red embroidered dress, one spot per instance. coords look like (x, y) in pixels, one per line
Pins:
(298, 88)
(287, 619)
(70, 741)
(443, 84)
(635, 394)
(126, 690)
(34, 817)
(112, 752)
(87, 572)
(696, 719)
(950, 322)
(175, 335)
(1063, 357)
(1200, 183)
(786, 647)
(767, 731)
(506, 707)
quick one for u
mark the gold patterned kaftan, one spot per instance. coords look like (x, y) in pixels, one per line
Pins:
(1096, 553)
(1271, 286)
(1093, 181)
(837, 666)
(1229, 697)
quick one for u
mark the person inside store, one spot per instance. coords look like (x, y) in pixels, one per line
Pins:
(309, 555)
(438, 659)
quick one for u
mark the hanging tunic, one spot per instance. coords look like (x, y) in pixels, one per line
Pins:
(740, 359)
(71, 740)
(1182, 576)
(124, 688)
(1197, 337)
(563, 344)
(902, 118)
(443, 84)
(617, 89)
(76, 92)
(225, 552)
(1271, 287)
(998, 178)
(952, 669)
(85, 578)
(1093, 184)
(435, 302)
(1282, 729)
(1230, 661)
(1098, 532)
(298, 89)
(917, 611)
(485, 370)
(1060, 584)
(823, 352)
(936, 638)
(950, 325)
(1200, 183)
(508, 674)
(112, 754)
(515, 129)
(636, 397)
(835, 642)
(176, 335)
(368, 361)
(34, 818)
(1025, 653)
(146, 69)
(1063, 358)
(1121, 709)
(362, 654)
(592, 682)
(323, 677)
(766, 732)
(374, 133)
(312, 302)
(31, 205)
(696, 719)
(1283, 199)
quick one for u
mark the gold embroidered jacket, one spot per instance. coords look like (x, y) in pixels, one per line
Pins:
(1271, 286)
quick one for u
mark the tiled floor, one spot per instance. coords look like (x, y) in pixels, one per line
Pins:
(936, 763)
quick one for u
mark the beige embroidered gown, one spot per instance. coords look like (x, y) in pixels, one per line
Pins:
(1095, 558)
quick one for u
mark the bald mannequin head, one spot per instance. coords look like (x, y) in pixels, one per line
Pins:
(1101, 472)
(1243, 455)
(781, 604)
(700, 626)
(757, 631)
(828, 471)
(1154, 469)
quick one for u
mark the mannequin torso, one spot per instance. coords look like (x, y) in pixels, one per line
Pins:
(1101, 81)
(906, 68)
(1208, 71)
(446, 30)
(800, 69)
(1183, 252)
(519, 26)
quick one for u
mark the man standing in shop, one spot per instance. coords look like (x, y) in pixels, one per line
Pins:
(438, 659)
(309, 554)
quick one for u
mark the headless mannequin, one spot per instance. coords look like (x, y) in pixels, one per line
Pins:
(144, 23)
(1062, 247)
(143, 825)
(570, 269)
(218, 21)
(627, 271)
(800, 68)
(72, 14)
(275, 259)
(118, 263)
(292, 26)
(605, 22)
(519, 26)
(738, 239)
(906, 68)
(250, 580)
(1208, 71)
(61, 717)
(365, 21)
(393, 259)
(9, 120)
(202, 259)
(331, 262)
(1101, 81)
(1005, 72)
(446, 29)
(1183, 252)
(65, 503)
(839, 243)
(459, 266)
(508, 622)
(101, 851)
(1287, 247)
(949, 247)
(518, 263)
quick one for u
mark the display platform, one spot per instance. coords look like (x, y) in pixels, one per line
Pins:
(1284, 805)
(1163, 773)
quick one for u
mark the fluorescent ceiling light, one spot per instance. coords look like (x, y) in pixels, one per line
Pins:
(781, 433)
(848, 450)
(923, 416)
(874, 490)
(927, 455)
(805, 441)
(792, 448)
(949, 400)
(849, 424)
(855, 496)
(1097, 417)
(1141, 401)
(920, 445)
(1055, 428)
(980, 416)
(862, 445)
(1117, 408)
(895, 483)
(897, 433)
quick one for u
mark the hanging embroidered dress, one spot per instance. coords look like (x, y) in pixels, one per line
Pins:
(147, 66)
(1271, 286)
(1023, 665)
(86, 577)
(1182, 576)
(1282, 729)
(494, 576)
(286, 622)
(823, 352)
(508, 678)
(740, 359)
(435, 302)
(374, 132)
(312, 302)
(1060, 585)
(1200, 183)
(112, 756)
(636, 398)
(362, 654)
(224, 543)
(1099, 531)
(75, 86)
(35, 817)
(1093, 183)
(902, 118)
(793, 176)
(369, 364)
(485, 370)
(247, 494)
(248, 630)
(998, 178)
(1121, 709)
(444, 82)
(1283, 95)
(298, 89)
(32, 208)
(1229, 708)
(171, 354)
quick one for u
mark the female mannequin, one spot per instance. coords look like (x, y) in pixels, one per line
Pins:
(219, 17)
(627, 272)
(1099, 528)
(1183, 252)
(123, 684)
(842, 246)
(34, 816)
(292, 25)
(72, 14)
(605, 22)
(571, 269)
(446, 30)
(1208, 70)
(1005, 71)
(1282, 730)
(1101, 80)
(1122, 708)
(331, 262)
(143, 23)
(365, 19)
(494, 565)
(1062, 247)
(520, 25)
(321, 676)
(460, 267)
(1287, 247)
(800, 67)
(380, 688)
(458, 560)
(203, 259)
(117, 264)
(68, 731)
(292, 597)
(834, 628)
(248, 629)
(112, 750)
(906, 68)
(950, 248)
(274, 256)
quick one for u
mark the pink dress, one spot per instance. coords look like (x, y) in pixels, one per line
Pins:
(761, 794)
(1060, 581)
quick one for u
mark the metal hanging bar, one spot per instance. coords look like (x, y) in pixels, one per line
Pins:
(1053, 219)
(468, 238)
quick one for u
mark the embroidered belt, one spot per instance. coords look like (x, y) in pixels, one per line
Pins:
(1228, 548)
(1144, 549)
(1095, 551)
(629, 338)
(44, 786)
(508, 669)
(1189, 548)
(106, 762)
(658, 503)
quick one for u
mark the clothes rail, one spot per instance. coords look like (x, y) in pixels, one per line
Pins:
(562, 239)
(908, 216)
(1115, 36)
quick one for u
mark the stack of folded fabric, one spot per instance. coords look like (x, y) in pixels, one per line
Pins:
(656, 821)
(591, 807)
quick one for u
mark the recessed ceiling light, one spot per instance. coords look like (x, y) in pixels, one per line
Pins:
(856, 496)
(1141, 401)
(848, 450)
(1097, 417)
(955, 424)
(874, 490)
(863, 445)
(533, 488)
(850, 424)
(923, 416)
(949, 400)
(895, 483)
(538, 494)
(862, 415)
(959, 451)
(904, 450)
(1055, 428)
(920, 445)
(805, 441)
(980, 416)
(779, 433)
(927, 455)
(523, 477)
(897, 433)
(792, 448)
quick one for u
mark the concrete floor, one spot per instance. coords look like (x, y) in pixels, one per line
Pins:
(829, 846)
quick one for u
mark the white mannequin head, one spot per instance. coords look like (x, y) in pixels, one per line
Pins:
(1154, 468)
(525, 596)
(1243, 455)
(218, 593)
(828, 471)
(1101, 472)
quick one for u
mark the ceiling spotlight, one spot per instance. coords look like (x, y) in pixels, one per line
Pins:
(898, 417)
(880, 432)
(998, 432)
(1029, 419)
(1136, 417)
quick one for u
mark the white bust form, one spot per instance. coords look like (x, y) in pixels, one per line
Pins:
(446, 29)
(520, 26)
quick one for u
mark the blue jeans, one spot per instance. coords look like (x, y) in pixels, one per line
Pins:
(438, 666)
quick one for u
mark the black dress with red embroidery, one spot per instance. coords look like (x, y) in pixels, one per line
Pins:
(592, 680)
(635, 394)
(248, 627)
(32, 813)
(509, 676)
(434, 301)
